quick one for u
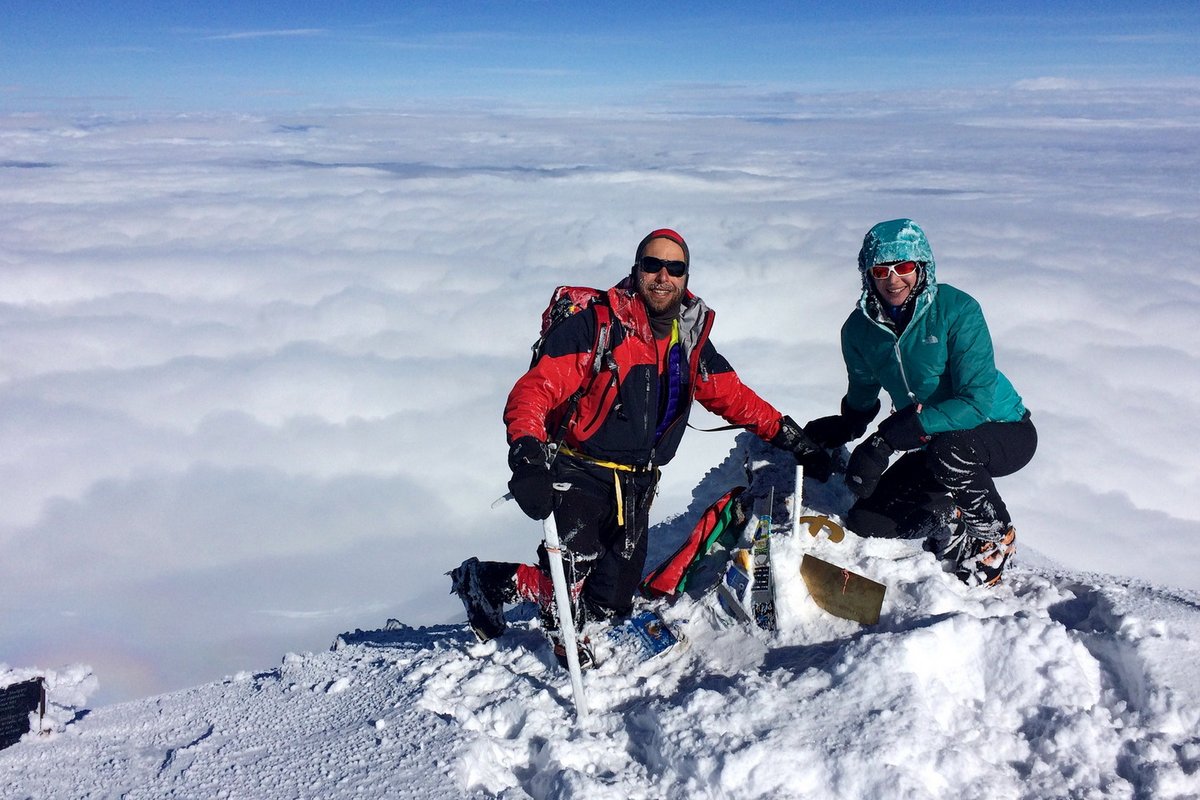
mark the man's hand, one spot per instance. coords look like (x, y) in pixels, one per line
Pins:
(867, 464)
(816, 462)
(531, 484)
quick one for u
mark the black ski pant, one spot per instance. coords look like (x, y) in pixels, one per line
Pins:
(918, 494)
(604, 538)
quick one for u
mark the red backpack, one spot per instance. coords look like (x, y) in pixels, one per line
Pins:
(567, 301)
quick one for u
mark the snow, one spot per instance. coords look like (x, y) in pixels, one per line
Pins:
(1055, 684)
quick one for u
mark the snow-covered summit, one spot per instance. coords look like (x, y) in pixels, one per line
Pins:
(1056, 684)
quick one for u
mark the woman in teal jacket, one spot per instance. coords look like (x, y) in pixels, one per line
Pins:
(959, 419)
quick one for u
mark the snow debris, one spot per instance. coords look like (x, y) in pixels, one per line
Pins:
(1053, 685)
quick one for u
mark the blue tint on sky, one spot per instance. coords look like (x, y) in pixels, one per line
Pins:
(181, 56)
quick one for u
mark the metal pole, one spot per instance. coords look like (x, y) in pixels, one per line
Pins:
(562, 598)
(797, 501)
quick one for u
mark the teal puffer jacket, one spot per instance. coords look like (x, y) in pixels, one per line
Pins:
(943, 360)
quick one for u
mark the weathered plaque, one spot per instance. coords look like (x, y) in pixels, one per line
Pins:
(841, 592)
(17, 702)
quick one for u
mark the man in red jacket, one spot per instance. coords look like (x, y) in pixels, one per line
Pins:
(626, 423)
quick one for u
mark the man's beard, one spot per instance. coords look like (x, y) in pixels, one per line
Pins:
(662, 305)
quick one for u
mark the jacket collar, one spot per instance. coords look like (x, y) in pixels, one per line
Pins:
(629, 308)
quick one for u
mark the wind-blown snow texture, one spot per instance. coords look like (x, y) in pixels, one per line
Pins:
(1056, 684)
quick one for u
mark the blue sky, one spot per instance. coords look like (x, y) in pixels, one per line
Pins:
(295, 55)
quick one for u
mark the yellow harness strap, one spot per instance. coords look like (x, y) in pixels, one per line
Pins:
(606, 464)
(616, 468)
(620, 500)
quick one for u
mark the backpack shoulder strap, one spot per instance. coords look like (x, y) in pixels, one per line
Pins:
(602, 344)
(601, 359)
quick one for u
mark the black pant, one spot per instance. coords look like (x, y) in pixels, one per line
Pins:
(918, 494)
(606, 552)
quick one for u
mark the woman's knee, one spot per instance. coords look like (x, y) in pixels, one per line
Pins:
(954, 459)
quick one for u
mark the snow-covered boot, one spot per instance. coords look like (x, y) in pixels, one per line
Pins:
(984, 560)
(484, 587)
(583, 648)
(583, 644)
(948, 540)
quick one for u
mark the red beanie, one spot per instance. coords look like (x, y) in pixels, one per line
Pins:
(663, 233)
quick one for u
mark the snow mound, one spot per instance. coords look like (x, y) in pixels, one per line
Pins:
(1054, 684)
(1050, 686)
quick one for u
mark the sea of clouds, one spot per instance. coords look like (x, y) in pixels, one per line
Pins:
(252, 367)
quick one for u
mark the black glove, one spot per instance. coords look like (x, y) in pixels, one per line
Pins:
(531, 484)
(829, 432)
(816, 462)
(903, 431)
(833, 432)
(867, 463)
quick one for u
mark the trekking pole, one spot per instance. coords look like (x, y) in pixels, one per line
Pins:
(562, 597)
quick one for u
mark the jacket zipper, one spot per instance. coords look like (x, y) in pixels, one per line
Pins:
(585, 430)
(696, 368)
(903, 375)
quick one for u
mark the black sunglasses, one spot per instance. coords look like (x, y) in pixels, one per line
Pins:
(651, 265)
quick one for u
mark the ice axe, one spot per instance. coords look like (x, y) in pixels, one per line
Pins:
(562, 598)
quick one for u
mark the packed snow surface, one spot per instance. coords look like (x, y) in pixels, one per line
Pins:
(1055, 684)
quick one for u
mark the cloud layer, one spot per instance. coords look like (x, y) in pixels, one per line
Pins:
(252, 368)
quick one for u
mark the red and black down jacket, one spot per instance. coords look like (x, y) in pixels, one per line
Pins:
(616, 418)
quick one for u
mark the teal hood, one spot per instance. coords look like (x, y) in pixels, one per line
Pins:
(896, 240)
(942, 359)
